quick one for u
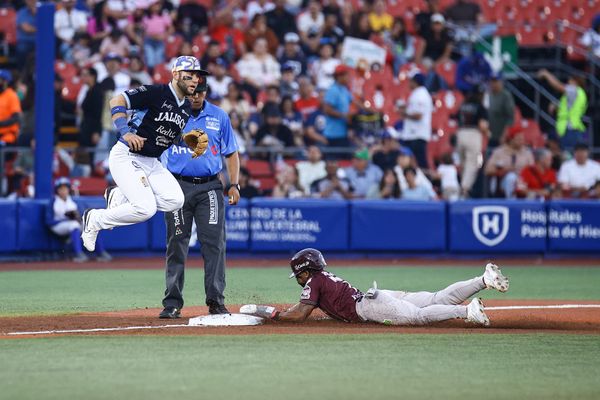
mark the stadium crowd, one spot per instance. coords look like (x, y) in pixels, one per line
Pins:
(433, 122)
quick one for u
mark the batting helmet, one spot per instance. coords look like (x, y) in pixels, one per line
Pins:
(307, 259)
(188, 63)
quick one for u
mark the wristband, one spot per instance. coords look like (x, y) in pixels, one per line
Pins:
(118, 109)
(235, 185)
(121, 125)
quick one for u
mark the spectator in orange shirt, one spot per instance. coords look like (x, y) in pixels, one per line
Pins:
(538, 180)
(10, 109)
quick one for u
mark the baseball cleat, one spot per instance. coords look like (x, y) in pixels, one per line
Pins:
(108, 196)
(88, 235)
(476, 314)
(216, 308)
(493, 278)
(170, 312)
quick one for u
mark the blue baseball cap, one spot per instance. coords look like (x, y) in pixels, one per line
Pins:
(63, 181)
(5, 75)
(496, 76)
(188, 63)
(288, 66)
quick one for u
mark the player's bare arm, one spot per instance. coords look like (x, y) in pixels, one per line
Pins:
(296, 313)
(118, 106)
(233, 167)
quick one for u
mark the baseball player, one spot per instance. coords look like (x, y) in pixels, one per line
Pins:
(143, 184)
(204, 204)
(338, 299)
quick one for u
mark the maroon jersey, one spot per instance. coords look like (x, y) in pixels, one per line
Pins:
(336, 297)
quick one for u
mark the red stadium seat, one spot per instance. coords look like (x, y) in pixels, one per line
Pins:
(449, 99)
(172, 46)
(533, 134)
(65, 70)
(259, 168)
(71, 88)
(90, 186)
(162, 74)
(266, 183)
(447, 71)
(8, 25)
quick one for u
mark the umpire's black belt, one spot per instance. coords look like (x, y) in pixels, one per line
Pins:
(196, 180)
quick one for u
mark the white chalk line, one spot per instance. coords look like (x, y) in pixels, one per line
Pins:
(131, 328)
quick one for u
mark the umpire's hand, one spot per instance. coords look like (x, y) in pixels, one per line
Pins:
(234, 195)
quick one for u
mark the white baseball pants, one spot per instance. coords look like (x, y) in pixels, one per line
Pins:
(419, 308)
(144, 186)
(66, 227)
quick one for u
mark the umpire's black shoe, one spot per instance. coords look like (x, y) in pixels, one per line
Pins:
(170, 312)
(216, 308)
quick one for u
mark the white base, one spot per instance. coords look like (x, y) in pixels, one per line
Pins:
(225, 320)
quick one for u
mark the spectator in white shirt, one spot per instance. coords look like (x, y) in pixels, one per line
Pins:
(312, 169)
(414, 190)
(580, 174)
(219, 80)
(311, 21)
(417, 119)
(258, 7)
(258, 68)
(322, 69)
(406, 160)
(67, 22)
(591, 38)
(448, 175)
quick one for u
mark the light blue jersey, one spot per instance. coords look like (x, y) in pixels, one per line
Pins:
(221, 142)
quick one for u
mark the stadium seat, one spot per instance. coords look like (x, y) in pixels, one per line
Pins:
(172, 46)
(91, 186)
(71, 88)
(447, 70)
(533, 134)
(65, 70)
(8, 25)
(259, 168)
(449, 99)
(266, 183)
(162, 74)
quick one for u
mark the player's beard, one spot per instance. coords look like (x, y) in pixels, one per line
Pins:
(185, 89)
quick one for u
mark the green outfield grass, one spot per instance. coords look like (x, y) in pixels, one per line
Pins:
(302, 367)
(61, 292)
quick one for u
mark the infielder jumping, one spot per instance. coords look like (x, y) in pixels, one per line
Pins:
(338, 299)
(143, 184)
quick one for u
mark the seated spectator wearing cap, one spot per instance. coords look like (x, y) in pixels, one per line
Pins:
(579, 174)
(280, 20)
(438, 44)
(311, 20)
(363, 175)
(258, 29)
(273, 132)
(472, 71)
(67, 22)
(422, 20)
(291, 53)
(506, 163)
(538, 181)
(501, 110)
(157, 27)
(219, 81)
(311, 169)
(64, 220)
(400, 44)
(415, 190)
(571, 109)
(472, 126)
(258, 68)
(322, 70)
(288, 86)
(336, 107)
(417, 119)
(10, 109)
(334, 185)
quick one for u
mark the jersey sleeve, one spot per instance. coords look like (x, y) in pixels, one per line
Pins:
(310, 292)
(141, 97)
(228, 143)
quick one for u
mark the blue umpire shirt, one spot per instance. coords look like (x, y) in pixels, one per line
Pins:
(221, 142)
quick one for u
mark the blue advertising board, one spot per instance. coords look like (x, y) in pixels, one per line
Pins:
(497, 226)
(573, 226)
(398, 225)
(237, 225)
(295, 224)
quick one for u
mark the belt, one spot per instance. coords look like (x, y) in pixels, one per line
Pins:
(196, 180)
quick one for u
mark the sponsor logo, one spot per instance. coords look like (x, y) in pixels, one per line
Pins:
(213, 212)
(490, 224)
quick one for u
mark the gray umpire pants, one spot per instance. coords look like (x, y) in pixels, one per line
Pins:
(203, 203)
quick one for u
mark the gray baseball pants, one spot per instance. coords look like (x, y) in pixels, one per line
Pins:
(204, 204)
(419, 308)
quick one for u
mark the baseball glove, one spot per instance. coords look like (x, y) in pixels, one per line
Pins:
(197, 140)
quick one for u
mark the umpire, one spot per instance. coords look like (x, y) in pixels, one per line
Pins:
(203, 190)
